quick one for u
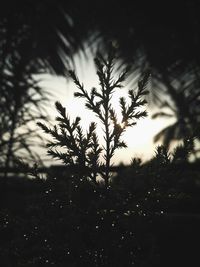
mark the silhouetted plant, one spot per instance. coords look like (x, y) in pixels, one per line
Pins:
(182, 105)
(175, 58)
(183, 152)
(24, 31)
(84, 150)
(21, 104)
(180, 154)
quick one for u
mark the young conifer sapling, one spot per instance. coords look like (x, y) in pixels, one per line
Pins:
(83, 151)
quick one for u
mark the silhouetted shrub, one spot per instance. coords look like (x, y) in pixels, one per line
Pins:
(71, 219)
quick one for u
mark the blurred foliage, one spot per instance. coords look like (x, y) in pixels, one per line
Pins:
(21, 99)
(21, 104)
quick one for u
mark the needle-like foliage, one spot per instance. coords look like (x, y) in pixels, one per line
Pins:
(84, 150)
(80, 151)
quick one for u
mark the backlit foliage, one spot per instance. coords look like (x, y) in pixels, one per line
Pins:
(83, 150)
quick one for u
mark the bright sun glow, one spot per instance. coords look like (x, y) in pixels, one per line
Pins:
(138, 138)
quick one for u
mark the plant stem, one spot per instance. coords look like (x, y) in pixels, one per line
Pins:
(107, 134)
(107, 170)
